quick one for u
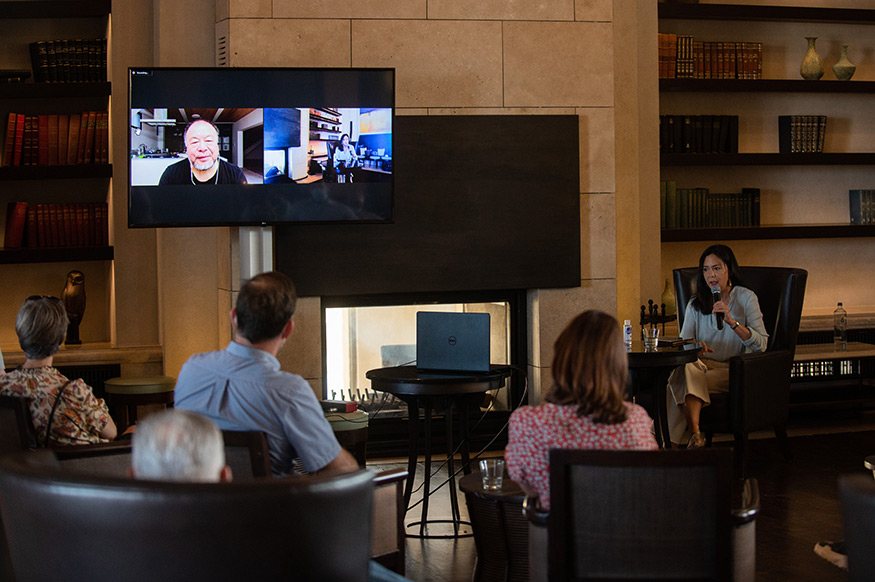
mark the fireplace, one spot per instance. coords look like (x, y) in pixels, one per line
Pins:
(361, 333)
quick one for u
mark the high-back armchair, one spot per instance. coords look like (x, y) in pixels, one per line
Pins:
(61, 525)
(759, 384)
(654, 515)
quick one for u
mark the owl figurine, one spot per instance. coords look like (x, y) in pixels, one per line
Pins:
(73, 297)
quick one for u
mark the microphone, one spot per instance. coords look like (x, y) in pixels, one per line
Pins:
(715, 292)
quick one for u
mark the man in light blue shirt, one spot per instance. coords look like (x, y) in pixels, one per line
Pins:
(243, 388)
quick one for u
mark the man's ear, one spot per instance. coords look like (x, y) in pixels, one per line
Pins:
(225, 474)
(233, 315)
(287, 329)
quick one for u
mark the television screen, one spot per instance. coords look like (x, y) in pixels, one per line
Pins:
(259, 146)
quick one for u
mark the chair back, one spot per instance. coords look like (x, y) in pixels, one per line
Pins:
(857, 496)
(111, 459)
(16, 426)
(655, 515)
(247, 454)
(315, 528)
(779, 290)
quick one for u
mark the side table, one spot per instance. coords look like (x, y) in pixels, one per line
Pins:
(436, 391)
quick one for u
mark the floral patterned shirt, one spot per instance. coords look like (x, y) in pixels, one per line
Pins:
(80, 416)
(534, 430)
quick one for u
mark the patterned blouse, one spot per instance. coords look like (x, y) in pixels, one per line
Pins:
(534, 430)
(80, 416)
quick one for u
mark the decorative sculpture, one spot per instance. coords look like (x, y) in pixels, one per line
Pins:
(73, 297)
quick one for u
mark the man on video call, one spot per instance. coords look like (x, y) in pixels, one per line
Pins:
(203, 165)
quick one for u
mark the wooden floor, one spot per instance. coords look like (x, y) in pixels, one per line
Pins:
(799, 504)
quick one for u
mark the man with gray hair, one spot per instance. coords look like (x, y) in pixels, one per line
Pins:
(177, 445)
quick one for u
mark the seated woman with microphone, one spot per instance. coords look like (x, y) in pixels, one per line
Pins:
(724, 317)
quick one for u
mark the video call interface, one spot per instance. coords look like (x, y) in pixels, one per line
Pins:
(265, 165)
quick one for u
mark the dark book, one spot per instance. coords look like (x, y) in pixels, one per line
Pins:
(707, 138)
(20, 126)
(677, 135)
(16, 218)
(83, 131)
(785, 134)
(855, 198)
(821, 132)
(91, 128)
(9, 148)
(662, 186)
(63, 131)
(73, 138)
(687, 135)
(698, 134)
(31, 235)
(753, 195)
(52, 140)
(671, 204)
(52, 58)
(723, 148)
(733, 134)
(39, 61)
(42, 219)
(43, 140)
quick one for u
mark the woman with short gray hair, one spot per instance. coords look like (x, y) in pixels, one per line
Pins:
(63, 411)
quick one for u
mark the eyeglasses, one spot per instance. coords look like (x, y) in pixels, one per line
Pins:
(41, 297)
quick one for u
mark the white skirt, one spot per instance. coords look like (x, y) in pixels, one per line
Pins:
(699, 378)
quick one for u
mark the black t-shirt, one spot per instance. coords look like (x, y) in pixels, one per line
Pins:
(180, 173)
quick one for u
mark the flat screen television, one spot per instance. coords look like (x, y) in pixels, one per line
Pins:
(259, 146)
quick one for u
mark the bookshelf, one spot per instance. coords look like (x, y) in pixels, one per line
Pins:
(24, 22)
(799, 198)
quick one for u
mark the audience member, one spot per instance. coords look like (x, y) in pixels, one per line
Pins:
(585, 408)
(63, 411)
(177, 445)
(243, 388)
(725, 328)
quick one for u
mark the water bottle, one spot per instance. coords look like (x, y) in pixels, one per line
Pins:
(627, 332)
(840, 328)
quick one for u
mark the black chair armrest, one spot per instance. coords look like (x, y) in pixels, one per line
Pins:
(750, 503)
(533, 511)
(389, 476)
(759, 387)
(64, 452)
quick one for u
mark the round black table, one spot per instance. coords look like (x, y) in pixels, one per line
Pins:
(417, 388)
(650, 369)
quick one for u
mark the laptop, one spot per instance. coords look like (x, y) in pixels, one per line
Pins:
(452, 342)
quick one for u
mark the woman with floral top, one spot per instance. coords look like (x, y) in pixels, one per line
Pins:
(584, 409)
(68, 407)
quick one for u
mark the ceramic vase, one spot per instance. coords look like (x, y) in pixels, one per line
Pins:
(812, 68)
(668, 298)
(844, 69)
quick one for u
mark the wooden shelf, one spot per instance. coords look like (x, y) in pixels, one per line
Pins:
(765, 13)
(55, 255)
(54, 90)
(55, 8)
(764, 86)
(789, 231)
(804, 159)
(9, 173)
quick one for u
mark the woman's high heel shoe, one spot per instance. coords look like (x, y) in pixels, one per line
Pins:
(697, 441)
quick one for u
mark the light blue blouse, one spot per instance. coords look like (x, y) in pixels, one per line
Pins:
(744, 307)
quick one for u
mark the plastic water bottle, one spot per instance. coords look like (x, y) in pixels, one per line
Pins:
(627, 332)
(840, 328)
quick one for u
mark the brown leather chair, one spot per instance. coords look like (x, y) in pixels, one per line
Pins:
(655, 515)
(246, 452)
(759, 384)
(61, 525)
(16, 428)
(857, 495)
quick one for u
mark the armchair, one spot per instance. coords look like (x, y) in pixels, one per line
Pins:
(655, 515)
(857, 495)
(61, 525)
(759, 384)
